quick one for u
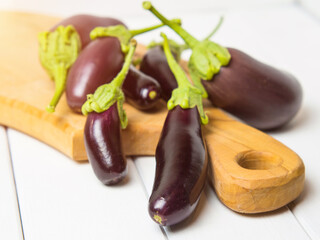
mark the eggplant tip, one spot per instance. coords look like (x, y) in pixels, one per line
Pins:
(158, 219)
(116, 179)
(152, 95)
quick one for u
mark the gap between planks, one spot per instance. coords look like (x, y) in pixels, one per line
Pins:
(146, 193)
(13, 181)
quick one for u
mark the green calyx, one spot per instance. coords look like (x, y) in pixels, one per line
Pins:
(207, 57)
(122, 33)
(58, 50)
(107, 94)
(185, 95)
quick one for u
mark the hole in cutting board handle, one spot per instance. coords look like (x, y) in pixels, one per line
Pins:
(255, 160)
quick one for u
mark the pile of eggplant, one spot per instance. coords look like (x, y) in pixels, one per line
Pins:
(91, 59)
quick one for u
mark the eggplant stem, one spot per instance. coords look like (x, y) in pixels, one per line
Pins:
(217, 27)
(60, 77)
(187, 37)
(185, 95)
(119, 79)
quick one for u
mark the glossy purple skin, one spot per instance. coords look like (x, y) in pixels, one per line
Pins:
(260, 95)
(154, 64)
(84, 24)
(181, 167)
(137, 88)
(102, 135)
(99, 63)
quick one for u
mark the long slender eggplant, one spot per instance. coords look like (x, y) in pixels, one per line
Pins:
(181, 157)
(259, 94)
(84, 24)
(99, 63)
(181, 167)
(154, 64)
(102, 131)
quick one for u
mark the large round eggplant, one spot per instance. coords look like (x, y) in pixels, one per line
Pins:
(85, 23)
(99, 63)
(154, 64)
(259, 94)
(102, 135)
(181, 167)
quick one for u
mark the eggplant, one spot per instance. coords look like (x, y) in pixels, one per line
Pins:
(181, 167)
(141, 90)
(102, 135)
(154, 64)
(84, 24)
(260, 95)
(99, 63)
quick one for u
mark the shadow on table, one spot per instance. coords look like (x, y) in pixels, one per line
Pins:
(300, 120)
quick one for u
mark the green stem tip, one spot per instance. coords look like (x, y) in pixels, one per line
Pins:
(123, 34)
(188, 38)
(58, 50)
(216, 28)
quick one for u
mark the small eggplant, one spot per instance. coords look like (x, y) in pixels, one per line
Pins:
(84, 24)
(141, 90)
(181, 167)
(260, 95)
(99, 63)
(154, 64)
(181, 156)
(103, 144)
(102, 132)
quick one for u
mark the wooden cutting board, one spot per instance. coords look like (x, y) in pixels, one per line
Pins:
(250, 171)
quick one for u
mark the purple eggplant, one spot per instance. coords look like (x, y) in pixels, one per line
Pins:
(102, 135)
(260, 95)
(99, 63)
(84, 24)
(154, 64)
(141, 90)
(181, 167)
(105, 119)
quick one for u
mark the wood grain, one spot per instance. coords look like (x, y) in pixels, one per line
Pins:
(251, 172)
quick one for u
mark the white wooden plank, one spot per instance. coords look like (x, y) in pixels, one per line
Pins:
(313, 6)
(62, 199)
(215, 221)
(10, 226)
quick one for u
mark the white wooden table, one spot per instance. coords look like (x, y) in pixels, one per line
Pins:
(46, 195)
